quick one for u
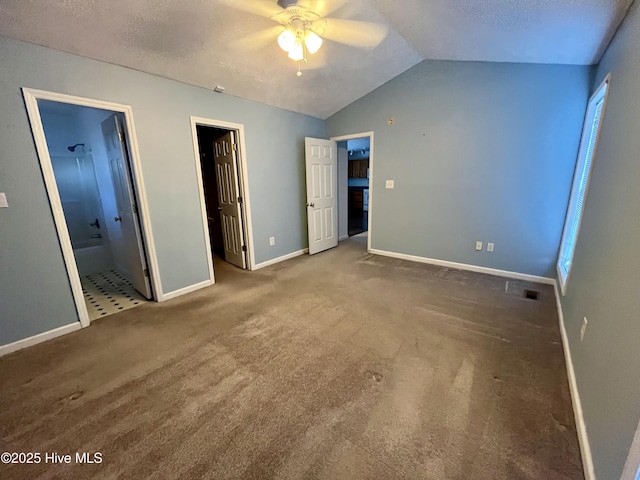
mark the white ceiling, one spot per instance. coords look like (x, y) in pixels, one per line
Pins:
(200, 42)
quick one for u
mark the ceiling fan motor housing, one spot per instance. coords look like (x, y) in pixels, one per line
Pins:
(287, 3)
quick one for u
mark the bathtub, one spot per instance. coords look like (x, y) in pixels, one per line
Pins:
(92, 258)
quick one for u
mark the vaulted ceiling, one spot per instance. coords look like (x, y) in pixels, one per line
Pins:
(226, 42)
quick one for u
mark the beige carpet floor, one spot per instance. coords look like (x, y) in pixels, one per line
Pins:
(339, 366)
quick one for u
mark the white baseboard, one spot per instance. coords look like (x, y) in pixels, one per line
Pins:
(466, 266)
(583, 439)
(185, 290)
(41, 337)
(281, 259)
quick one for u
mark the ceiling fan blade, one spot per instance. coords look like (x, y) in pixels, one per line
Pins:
(263, 8)
(350, 32)
(323, 8)
(259, 39)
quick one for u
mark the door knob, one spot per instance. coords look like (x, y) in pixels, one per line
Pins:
(117, 219)
(311, 204)
(219, 208)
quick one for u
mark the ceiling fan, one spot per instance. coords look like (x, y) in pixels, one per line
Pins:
(304, 24)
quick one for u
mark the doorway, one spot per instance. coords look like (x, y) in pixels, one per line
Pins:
(86, 157)
(355, 186)
(358, 185)
(221, 169)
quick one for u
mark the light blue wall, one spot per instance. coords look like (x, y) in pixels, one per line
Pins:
(76, 177)
(604, 281)
(478, 151)
(34, 293)
(62, 129)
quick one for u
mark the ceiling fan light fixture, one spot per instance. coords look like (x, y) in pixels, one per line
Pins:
(297, 52)
(287, 40)
(312, 41)
(297, 38)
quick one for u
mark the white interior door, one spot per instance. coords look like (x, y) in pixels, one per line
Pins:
(322, 198)
(224, 155)
(129, 258)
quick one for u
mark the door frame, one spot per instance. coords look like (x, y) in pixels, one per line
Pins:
(31, 97)
(342, 138)
(243, 181)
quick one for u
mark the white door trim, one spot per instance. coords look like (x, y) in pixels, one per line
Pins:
(31, 97)
(370, 214)
(243, 181)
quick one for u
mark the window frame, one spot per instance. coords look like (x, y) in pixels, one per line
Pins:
(601, 93)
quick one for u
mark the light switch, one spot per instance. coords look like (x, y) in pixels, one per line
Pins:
(389, 184)
(3, 201)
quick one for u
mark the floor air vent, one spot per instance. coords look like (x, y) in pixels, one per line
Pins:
(531, 294)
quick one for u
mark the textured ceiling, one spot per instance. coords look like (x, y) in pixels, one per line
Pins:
(207, 43)
(527, 31)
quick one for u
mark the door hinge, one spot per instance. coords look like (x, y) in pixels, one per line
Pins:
(235, 147)
(239, 199)
(134, 207)
(120, 136)
(244, 248)
(146, 272)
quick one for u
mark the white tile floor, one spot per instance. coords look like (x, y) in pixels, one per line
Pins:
(108, 292)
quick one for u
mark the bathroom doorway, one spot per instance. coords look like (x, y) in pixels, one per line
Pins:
(87, 164)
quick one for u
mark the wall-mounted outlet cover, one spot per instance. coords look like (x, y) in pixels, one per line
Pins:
(272, 241)
(490, 247)
(389, 184)
(478, 246)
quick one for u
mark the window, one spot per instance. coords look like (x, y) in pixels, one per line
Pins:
(588, 145)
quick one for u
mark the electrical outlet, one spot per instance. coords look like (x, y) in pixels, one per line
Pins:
(489, 247)
(272, 241)
(583, 328)
(478, 246)
(389, 184)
